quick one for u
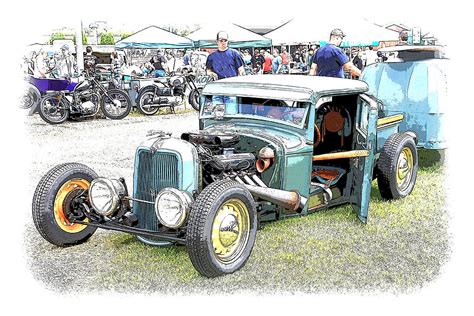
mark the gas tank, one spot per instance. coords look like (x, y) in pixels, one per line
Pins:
(82, 86)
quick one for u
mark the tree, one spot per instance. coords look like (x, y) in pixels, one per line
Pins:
(56, 36)
(124, 35)
(107, 39)
(84, 38)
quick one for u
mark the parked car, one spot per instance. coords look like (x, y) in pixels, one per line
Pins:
(413, 81)
(276, 149)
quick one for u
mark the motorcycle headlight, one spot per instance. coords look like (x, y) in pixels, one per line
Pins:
(172, 207)
(104, 195)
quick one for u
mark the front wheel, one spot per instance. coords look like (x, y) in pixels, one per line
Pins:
(145, 101)
(221, 228)
(115, 104)
(53, 109)
(31, 97)
(58, 199)
(397, 167)
(194, 98)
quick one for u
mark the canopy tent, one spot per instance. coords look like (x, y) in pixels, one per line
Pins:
(154, 37)
(239, 37)
(303, 31)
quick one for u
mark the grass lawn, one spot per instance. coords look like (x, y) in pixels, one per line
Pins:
(403, 247)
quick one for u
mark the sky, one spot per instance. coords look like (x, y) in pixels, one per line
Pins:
(22, 22)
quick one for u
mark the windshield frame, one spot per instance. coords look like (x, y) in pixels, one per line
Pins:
(206, 102)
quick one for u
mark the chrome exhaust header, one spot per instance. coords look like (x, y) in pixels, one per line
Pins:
(291, 200)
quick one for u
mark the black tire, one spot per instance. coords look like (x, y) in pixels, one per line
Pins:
(143, 99)
(207, 212)
(31, 97)
(397, 167)
(116, 105)
(194, 98)
(53, 110)
(52, 203)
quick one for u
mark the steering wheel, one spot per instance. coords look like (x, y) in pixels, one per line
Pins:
(272, 102)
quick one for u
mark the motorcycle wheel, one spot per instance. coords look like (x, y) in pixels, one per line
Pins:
(115, 104)
(145, 99)
(53, 110)
(194, 98)
(30, 98)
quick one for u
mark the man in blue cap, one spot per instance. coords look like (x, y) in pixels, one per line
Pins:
(330, 60)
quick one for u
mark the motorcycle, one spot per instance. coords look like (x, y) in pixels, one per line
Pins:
(167, 92)
(85, 100)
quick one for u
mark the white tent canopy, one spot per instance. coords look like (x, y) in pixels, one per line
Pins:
(154, 37)
(304, 31)
(238, 36)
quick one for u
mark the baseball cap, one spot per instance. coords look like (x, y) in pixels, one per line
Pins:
(338, 32)
(222, 35)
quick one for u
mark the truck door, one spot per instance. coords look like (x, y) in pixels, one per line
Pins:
(362, 167)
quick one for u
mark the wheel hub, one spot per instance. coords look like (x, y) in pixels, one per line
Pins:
(230, 230)
(66, 193)
(404, 168)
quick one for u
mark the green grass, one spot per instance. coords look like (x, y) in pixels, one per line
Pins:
(403, 246)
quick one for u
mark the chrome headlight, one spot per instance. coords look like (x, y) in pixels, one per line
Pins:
(172, 207)
(104, 195)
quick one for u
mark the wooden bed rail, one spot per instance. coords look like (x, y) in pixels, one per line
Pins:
(342, 154)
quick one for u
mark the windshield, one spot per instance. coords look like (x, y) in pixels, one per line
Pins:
(291, 112)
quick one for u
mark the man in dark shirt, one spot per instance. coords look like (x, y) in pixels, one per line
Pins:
(330, 60)
(257, 61)
(159, 63)
(225, 62)
(90, 60)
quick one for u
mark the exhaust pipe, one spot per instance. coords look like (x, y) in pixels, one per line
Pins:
(291, 200)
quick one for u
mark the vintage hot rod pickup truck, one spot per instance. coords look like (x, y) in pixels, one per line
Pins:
(268, 148)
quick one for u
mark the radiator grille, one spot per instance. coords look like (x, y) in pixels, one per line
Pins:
(154, 172)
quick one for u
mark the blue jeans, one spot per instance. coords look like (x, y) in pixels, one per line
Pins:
(159, 73)
(230, 103)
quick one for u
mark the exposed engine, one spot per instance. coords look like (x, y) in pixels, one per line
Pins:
(172, 92)
(221, 161)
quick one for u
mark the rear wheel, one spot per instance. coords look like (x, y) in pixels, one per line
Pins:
(53, 109)
(30, 98)
(55, 204)
(116, 104)
(145, 100)
(397, 167)
(221, 228)
(194, 98)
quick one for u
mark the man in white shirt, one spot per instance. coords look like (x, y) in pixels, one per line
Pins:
(370, 56)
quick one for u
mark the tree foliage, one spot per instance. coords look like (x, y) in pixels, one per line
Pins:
(84, 38)
(56, 36)
(107, 39)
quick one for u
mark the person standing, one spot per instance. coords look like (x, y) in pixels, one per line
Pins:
(357, 60)
(370, 56)
(285, 61)
(330, 60)
(257, 61)
(223, 63)
(89, 60)
(267, 65)
(276, 62)
(159, 63)
(309, 58)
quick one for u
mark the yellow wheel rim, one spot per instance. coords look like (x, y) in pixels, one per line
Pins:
(404, 168)
(230, 230)
(59, 205)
